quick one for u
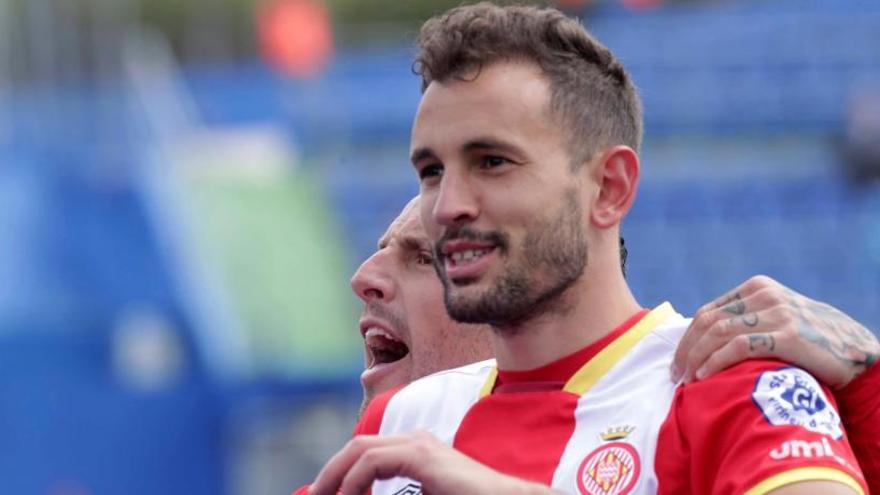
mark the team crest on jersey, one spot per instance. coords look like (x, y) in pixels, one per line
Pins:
(611, 469)
(791, 396)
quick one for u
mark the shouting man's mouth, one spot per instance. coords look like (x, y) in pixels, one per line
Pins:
(383, 347)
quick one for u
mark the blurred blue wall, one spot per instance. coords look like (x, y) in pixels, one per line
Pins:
(745, 105)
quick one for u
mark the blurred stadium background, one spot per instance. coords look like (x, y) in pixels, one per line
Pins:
(186, 186)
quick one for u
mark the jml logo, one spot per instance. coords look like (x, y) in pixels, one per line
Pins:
(802, 449)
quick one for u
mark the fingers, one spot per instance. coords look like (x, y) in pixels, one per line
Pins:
(334, 472)
(725, 330)
(738, 349)
(761, 310)
(378, 463)
(730, 303)
(409, 455)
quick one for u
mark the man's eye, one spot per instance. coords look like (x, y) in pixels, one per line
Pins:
(424, 258)
(491, 161)
(430, 171)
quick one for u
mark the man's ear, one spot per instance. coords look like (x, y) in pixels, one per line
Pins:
(617, 173)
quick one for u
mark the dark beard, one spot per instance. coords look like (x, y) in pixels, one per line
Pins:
(552, 259)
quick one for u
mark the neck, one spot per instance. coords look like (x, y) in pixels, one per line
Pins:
(586, 312)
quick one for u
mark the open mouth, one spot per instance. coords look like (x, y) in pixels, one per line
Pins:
(383, 347)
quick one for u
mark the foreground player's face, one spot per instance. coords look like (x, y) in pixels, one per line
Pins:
(499, 198)
(407, 333)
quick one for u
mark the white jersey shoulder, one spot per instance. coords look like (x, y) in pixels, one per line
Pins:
(436, 403)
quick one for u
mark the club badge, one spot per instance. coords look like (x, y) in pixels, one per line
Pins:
(611, 469)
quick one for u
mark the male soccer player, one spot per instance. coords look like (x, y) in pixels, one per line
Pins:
(525, 145)
(407, 333)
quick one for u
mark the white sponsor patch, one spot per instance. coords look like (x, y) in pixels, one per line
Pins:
(790, 396)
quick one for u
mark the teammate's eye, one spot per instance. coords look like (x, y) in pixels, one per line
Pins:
(430, 171)
(424, 258)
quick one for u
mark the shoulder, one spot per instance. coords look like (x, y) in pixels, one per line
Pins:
(462, 383)
(758, 422)
(473, 370)
(434, 403)
(775, 392)
(671, 330)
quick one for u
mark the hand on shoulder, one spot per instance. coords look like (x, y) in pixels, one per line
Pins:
(762, 318)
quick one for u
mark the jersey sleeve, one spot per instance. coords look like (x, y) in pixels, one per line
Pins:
(751, 429)
(860, 408)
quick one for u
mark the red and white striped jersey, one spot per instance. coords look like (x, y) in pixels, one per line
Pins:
(607, 420)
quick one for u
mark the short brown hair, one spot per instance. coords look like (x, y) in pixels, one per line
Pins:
(591, 92)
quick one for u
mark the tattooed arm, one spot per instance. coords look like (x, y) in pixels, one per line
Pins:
(763, 318)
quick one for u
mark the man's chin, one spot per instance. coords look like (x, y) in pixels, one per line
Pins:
(384, 377)
(466, 310)
(476, 306)
(466, 291)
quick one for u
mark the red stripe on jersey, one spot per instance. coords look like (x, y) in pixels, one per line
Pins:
(518, 435)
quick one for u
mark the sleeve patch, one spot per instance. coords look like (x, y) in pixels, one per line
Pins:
(791, 396)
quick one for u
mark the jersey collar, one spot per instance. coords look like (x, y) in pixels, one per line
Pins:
(600, 356)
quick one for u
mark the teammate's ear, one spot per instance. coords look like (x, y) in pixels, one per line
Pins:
(618, 177)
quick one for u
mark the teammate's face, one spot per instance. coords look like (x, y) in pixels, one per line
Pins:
(407, 333)
(499, 197)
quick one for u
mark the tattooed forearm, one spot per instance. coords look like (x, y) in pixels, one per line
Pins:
(844, 338)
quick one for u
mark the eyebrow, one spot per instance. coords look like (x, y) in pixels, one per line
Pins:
(422, 154)
(478, 144)
(408, 241)
(414, 242)
(491, 143)
(383, 242)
